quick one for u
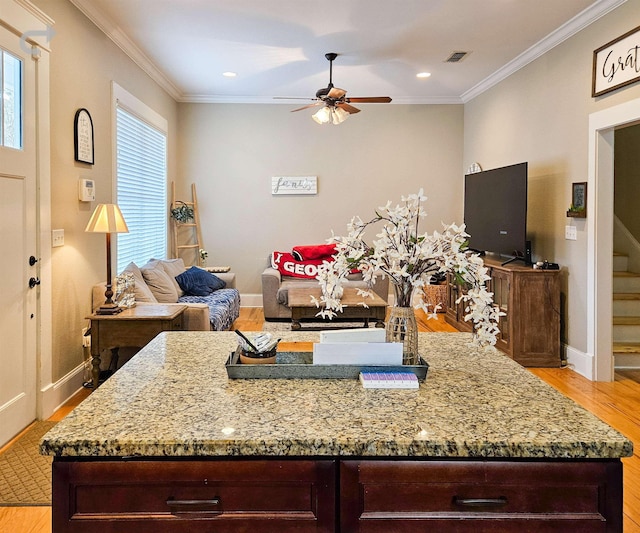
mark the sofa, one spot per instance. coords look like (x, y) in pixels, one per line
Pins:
(213, 307)
(290, 270)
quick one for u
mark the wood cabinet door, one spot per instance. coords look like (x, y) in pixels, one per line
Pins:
(480, 496)
(173, 496)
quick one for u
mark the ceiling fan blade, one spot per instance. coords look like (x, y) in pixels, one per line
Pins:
(370, 99)
(293, 98)
(348, 108)
(307, 106)
(336, 93)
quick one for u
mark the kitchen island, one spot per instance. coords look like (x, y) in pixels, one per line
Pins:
(482, 445)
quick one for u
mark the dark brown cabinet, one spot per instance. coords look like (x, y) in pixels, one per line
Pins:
(530, 301)
(324, 495)
(475, 496)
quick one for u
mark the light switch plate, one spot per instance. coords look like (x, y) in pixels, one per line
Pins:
(570, 233)
(57, 237)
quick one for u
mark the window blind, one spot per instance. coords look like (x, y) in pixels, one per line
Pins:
(141, 162)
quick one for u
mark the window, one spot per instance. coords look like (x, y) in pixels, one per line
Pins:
(141, 188)
(11, 101)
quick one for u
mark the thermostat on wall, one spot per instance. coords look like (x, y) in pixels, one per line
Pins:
(86, 190)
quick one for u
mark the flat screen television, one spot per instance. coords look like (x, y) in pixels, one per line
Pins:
(495, 211)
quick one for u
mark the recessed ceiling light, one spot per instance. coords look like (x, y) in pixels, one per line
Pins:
(423, 74)
(229, 74)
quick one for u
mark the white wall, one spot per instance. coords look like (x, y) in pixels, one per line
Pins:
(231, 152)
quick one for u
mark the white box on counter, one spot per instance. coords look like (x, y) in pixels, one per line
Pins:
(357, 353)
(354, 335)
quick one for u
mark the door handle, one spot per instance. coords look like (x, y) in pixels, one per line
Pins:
(33, 282)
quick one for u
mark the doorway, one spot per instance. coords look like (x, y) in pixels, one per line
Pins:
(602, 126)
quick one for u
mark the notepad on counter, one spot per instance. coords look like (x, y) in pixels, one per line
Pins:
(389, 380)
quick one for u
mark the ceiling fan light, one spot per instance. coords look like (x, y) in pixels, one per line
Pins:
(322, 116)
(338, 115)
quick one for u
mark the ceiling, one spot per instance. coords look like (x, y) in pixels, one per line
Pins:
(277, 47)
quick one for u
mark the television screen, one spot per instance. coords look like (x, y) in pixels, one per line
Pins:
(495, 210)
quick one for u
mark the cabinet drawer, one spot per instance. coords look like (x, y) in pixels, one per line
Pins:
(170, 495)
(466, 495)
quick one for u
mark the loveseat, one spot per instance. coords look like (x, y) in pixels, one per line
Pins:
(207, 309)
(287, 270)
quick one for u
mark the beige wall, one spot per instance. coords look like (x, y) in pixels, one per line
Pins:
(83, 64)
(540, 114)
(231, 152)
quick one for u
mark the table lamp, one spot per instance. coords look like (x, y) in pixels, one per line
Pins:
(108, 219)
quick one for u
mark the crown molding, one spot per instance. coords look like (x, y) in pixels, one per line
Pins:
(125, 44)
(558, 36)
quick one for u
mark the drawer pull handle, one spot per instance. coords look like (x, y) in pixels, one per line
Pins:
(480, 502)
(195, 506)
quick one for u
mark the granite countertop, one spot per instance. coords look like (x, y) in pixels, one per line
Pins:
(174, 399)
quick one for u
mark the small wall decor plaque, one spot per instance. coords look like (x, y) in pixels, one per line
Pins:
(83, 136)
(578, 207)
(294, 185)
(616, 63)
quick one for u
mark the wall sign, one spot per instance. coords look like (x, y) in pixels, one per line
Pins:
(83, 136)
(294, 185)
(616, 63)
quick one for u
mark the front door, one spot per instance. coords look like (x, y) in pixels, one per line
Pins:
(18, 300)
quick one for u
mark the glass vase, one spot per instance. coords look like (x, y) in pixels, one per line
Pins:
(402, 327)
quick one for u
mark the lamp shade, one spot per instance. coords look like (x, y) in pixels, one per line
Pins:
(107, 218)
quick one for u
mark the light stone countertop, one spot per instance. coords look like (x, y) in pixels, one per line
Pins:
(174, 399)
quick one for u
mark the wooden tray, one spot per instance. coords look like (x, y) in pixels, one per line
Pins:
(299, 365)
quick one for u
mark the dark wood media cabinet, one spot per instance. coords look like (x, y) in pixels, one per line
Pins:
(530, 300)
(325, 495)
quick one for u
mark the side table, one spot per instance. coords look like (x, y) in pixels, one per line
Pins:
(133, 327)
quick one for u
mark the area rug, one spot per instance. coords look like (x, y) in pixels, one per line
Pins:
(25, 475)
(315, 325)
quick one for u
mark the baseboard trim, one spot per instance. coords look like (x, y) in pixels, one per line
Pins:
(250, 300)
(54, 395)
(580, 362)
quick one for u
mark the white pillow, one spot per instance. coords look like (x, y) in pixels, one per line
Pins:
(161, 285)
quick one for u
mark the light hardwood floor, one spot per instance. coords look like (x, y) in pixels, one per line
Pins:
(617, 403)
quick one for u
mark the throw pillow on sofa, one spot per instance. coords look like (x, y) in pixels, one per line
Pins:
(199, 282)
(161, 285)
(141, 289)
(173, 268)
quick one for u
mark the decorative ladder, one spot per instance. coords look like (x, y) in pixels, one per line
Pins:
(187, 237)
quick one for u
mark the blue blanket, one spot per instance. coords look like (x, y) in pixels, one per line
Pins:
(224, 307)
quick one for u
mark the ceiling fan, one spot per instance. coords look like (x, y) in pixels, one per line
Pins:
(336, 106)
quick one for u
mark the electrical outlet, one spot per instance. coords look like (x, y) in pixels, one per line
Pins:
(570, 233)
(57, 238)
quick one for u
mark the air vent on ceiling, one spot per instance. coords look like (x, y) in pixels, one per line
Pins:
(455, 57)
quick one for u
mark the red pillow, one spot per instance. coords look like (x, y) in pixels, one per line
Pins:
(313, 251)
(287, 265)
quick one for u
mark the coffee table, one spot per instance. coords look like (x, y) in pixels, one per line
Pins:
(303, 308)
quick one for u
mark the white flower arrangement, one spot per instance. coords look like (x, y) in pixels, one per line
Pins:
(410, 260)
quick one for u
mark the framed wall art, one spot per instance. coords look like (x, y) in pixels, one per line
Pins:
(294, 185)
(578, 207)
(615, 64)
(83, 137)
